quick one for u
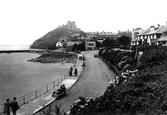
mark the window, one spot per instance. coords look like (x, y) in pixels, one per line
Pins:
(90, 44)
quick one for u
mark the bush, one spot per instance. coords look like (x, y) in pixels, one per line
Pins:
(118, 58)
(154, 57)
(142, 92)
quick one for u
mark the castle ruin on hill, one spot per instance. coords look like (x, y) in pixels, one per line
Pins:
(71, 25)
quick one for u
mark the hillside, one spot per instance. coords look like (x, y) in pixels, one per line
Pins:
(53, 36)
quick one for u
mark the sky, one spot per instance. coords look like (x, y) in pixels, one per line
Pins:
(24, 21)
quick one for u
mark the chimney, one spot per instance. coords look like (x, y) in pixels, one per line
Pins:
(152, 28)
(140, 29)
(158, 25)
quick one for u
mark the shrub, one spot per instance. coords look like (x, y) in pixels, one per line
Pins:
(154, 57)
(118, 58)
(142, 92)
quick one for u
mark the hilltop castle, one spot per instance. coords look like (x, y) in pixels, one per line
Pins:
(71, 25)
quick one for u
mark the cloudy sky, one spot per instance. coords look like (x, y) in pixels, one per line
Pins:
(23, 21)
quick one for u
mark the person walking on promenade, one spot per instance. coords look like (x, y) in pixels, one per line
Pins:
(70, 72)
(76, 72)
(70, 68)
(83, 65)
(14, 106)
(64, 113)
(58, 109)
(7, 107)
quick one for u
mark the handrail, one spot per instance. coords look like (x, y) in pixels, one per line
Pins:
(37, 93)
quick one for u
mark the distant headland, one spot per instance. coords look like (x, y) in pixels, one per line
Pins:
(53, 36)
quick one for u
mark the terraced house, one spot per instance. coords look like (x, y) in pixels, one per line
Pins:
(110, 35)
(163, 39)
(149, 36)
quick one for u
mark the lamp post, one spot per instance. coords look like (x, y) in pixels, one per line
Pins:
(136, 51)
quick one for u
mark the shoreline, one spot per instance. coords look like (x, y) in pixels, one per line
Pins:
(23, 51)
(14, 51)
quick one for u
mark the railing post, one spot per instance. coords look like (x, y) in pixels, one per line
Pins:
(24, 100)
(36, 94)
(46, 88)
(53, 84)
(67, 73)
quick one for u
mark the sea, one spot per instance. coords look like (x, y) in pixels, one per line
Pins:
(14, 47)
(19, 77)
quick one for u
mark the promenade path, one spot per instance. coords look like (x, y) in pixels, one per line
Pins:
(45, 100)
(93, 80)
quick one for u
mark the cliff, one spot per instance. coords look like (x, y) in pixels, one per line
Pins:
(53, 36)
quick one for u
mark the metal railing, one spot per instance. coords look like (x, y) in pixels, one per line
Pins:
(37, 93)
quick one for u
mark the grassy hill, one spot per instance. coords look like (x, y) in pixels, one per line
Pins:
(52, 37)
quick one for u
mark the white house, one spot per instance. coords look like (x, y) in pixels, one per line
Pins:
(134, 33)
(90, 45)
(59, 44)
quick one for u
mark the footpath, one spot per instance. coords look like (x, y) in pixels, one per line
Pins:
(39, 103)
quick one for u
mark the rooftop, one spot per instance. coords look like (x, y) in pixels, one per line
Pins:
(72, 43)
(159, 30)
(163, 38)
(144, 32)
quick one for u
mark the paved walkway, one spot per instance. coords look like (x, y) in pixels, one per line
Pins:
(46, 99)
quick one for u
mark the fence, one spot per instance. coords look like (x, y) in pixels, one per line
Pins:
(37, 93)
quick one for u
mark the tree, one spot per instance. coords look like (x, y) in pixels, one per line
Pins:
(75, 47)
(125, 40)
(98, 44)
(108, 42)
(52, 47)
(75, 38)
(140, 42)
(80, 46)
(82, 33)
